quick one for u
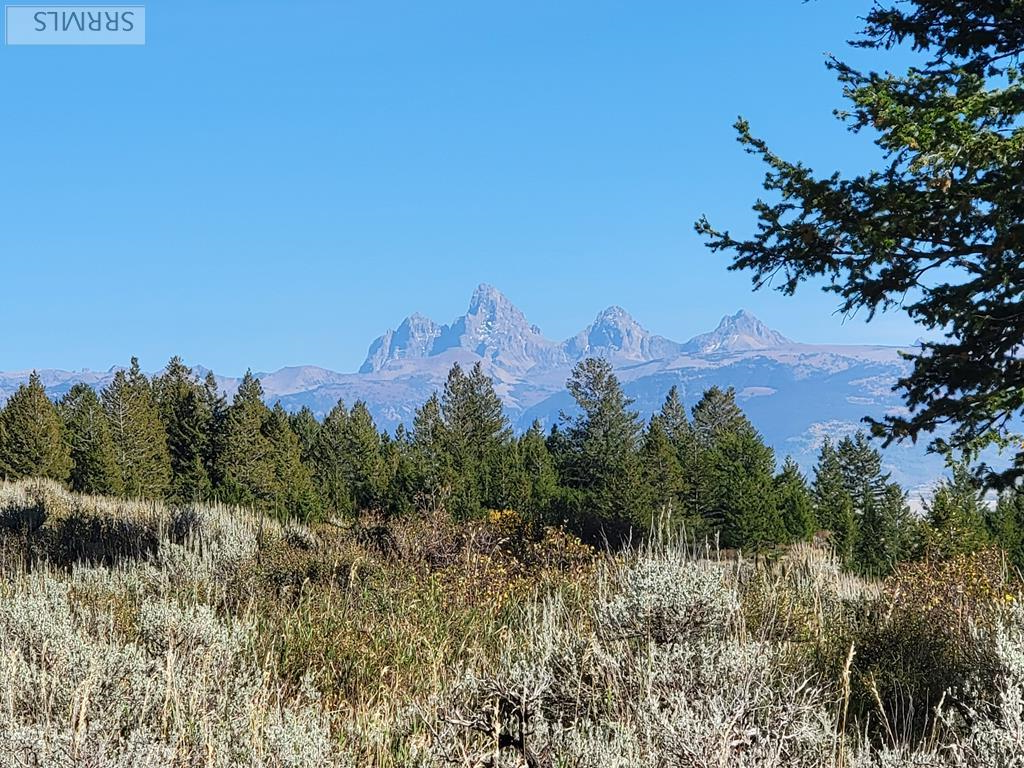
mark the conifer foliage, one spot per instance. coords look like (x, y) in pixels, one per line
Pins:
(248, 459)
(140, 438)
(733, 475)
(478, 439)
(934, 231)
(32, 440)
(186, 413)
(93, 456)
(794, 501)
(597, 452)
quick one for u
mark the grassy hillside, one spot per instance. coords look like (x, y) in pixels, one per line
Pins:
(137, 634)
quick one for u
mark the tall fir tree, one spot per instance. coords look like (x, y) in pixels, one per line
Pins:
(680, 433)
(539, 477)
(479, 441)
(1006, 525)
(216, 406)
(795, 503)
(885, 532)
(674, 420)
(400, 472)
(715, 416)
(307, 429)
(741, 498)
(431, 461)
(328, 463)
(598, 453)
(861, 467)
(183, 408)
(833, 506)
(732, 475)
(140, 440)
(955, 515)
(883, 520)
(248, 458)
(364, 469)
(663, 480)
(32, 441)
(292, 492)
(93, 456)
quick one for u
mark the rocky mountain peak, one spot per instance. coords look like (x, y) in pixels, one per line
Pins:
(737, 333)
(491, 313)
(415, 337)
(615, 334)
(496, 329)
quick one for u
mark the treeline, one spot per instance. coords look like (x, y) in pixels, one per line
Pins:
(602, 472)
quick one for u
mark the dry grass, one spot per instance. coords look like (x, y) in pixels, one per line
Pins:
(136, 634)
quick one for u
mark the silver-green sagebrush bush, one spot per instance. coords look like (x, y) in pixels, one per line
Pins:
(80, 690)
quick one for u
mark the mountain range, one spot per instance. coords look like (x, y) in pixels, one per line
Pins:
(796, 394)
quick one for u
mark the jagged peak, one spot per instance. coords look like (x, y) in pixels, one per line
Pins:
(490, 311)
(738, 332)
(418, 320)
(614, 314)
(487, 296)
(616, 333)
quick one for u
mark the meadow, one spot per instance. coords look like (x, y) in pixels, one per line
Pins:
(145, 634)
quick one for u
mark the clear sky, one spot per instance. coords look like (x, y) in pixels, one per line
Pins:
(266, 184)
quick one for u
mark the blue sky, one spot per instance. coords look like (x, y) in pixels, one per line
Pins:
(266, 184)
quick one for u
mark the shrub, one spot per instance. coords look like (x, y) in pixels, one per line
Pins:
(669, 598)
(926, 643)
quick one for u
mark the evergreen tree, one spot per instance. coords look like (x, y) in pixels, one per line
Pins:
(680, 433)
(32, 441)
(956, 515)
(833, 506)
(364, 469)
(479, 442)
(140, 441)
(732, 475)
(183, 407)
(540, 479)
(795, 503)
(328, 463)
(432, 463)
(715, 416)
(662, 474)
(599, 457)
(1006, 525)
(247, 463)
(879, 507)
(307, 429)
(93, 456)
(216, 407)
(400, 473)
(861, 467)
(884, 532)
(292, 492)
(742, 498)
(935, 230)
(675, 421)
